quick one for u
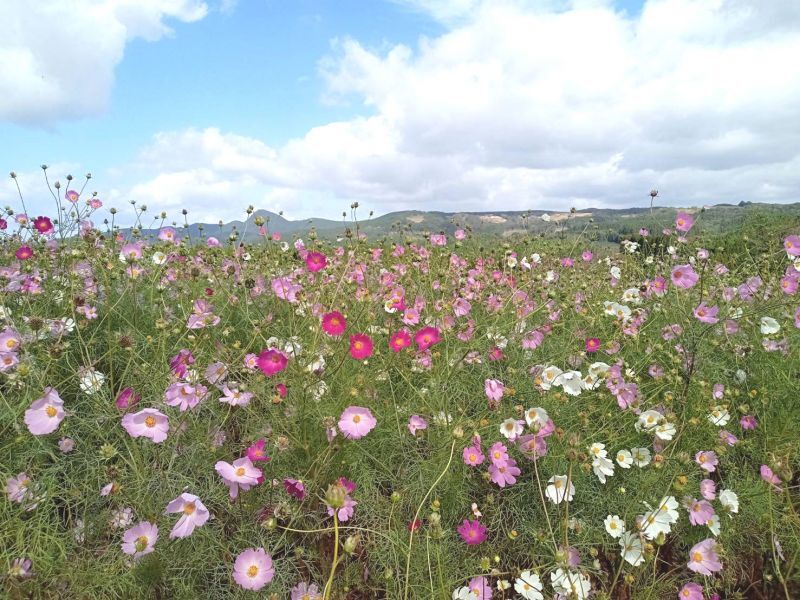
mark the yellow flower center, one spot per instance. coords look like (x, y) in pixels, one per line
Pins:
(240, 471)
(557, 483)
(141, 543)
(356, 419)
(188, 509)
(252, 571)
(150, 421)
(697, 557)
(51, 411)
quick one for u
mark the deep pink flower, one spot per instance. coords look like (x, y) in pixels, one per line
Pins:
(472, 532)
(427, 337)
(256, 453)
(592, 344)
(400, 340)
(295, 488)
(24, 253)
(360, 346)
(334, 323)
(356, 422)
(127, 398)
(316, 261)
(43, 225)
(272, 361)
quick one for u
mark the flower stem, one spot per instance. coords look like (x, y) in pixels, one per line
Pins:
(329, 585)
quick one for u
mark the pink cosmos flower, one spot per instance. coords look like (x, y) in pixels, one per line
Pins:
(149, 423)
(706, 314)
(494, 389)
(438, 239)
(295, 488)
(167, 234)
(181, 361)
(691, 591)
(45, 414)
(234, 396)
(240, 474)
(460, 234)
(400, 340)
(587, 256)
(472, 532)
(10, 340)
(272, 361)
(427, 337)
(360, 346)
(473, 456)
(19, 488)
(253, 569)
(334, 323)
(140, 539)
(684, 222)
(479, 588)
(748, 422)
(505, 474)
(792, 245)
(126, 399)
(593, 344)
(769, 476)
(700, 511)
(184, 395)
(707, 459)
(703, 558)
(195, 514)
(708, 489)
(43, 225)
(256, 452)
(316, 261)
(498, 454)
(24, 252)
(212, 242)
(304, 591)
(416, 423)
(684, 276)
(356, 422)
(72, 196)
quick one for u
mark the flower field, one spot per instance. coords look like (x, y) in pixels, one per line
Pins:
(433, 416)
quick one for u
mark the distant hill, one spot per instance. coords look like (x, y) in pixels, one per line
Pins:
(606, 224)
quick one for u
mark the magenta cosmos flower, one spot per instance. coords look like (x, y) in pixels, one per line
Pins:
(427, 337)
(271, 362)
(356, 422)
(472, 532)
(240, 474)
(45, 414)
(24, 253)
(253, 569)
(400, 340)
(194, 514)
(684, 222)
(334, 323)
(140, 539)
(126, 399)
(149, 423)
(43, 225)
(703, 558)
(295, 488)
(360, 346)
(684, 276)
(592, 344)
(316, 261)
(256, 452)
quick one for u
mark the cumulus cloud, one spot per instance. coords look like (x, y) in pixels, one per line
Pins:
(57, 57)
(522, 105)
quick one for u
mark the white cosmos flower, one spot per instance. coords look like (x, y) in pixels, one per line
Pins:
(511, 428)
(769, 325)
(719, 416)
(598, 369)
(550, 276)
(463, 593)
(666, 431)
(529, 586)
(641, 456)
(511, 261)
(796, 263)
(524, 263)
(603, 467)
(159, 258)
(615, 272)
(536, 418)
(91, 381)
(631, 296)
(660, 519)
(648, 420)
(557, 490)
(570, 584)
(547, 378)
(318, 390)
(632, 548)
(536, 258)
(713, 525)
(316, 365)
(614, 525)
(729, 501)
(624, 459)
(546, 218)
(598, 450)
(571, 382)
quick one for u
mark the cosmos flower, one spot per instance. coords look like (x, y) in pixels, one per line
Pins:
(360, 346)
(45, 414)
(194, 514)
(703, 558)
(472, 532)
(356, 422)
(558, 491)
(272, 361)
(684, 276)
(416, 423)
(334, 324)
(253, 569)
(140, 539)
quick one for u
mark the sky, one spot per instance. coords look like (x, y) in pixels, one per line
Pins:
(305, 106)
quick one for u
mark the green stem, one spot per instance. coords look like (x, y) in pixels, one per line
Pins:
(329, 585)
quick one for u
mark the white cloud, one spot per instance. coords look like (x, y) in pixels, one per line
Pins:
(523, 105)
(57, 57)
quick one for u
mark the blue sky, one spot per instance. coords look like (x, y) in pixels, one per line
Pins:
(279, 85)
